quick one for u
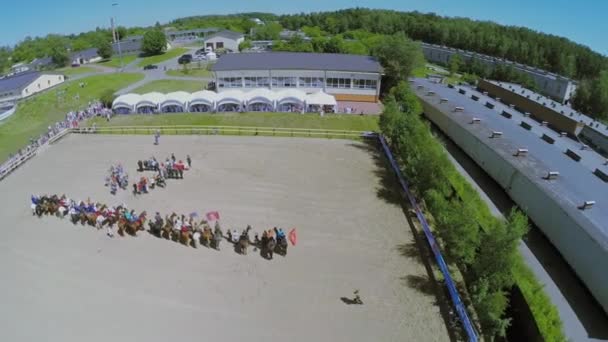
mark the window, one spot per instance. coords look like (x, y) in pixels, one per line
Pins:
(338, 82)
(230, 82)
(256, 82)
(284, 82)
(364, 84)
(311, 82)
(49, 82)
(219, 45)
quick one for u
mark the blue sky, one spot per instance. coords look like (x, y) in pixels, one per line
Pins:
(583, 21)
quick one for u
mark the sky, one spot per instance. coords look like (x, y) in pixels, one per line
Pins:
(582, 21)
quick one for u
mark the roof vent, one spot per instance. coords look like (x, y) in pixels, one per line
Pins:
(430, 93)
(521, 152)
(606, 162)
(544, 123)
(475, 120)
(526, 114)
(552, 175)
(485, 93)
(496, 134)
(420, 87)
(584, 147)
(443, 100)
(459, 109)
(512, 106)
(563, 134)
(587, 205)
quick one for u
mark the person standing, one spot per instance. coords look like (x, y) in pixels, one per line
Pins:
(156, 137)
(189, 161)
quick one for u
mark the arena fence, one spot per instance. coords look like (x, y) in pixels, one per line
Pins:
(449, 282)
(226, 130)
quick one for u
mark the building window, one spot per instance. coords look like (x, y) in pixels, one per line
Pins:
(230, 82)
(254, 82)
(49, 82)
(219, 45)
(365, 84)
(338, 82)
(284, 82)
(311, 82)
(38, 85)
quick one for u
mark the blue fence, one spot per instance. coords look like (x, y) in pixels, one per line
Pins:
(458, 304)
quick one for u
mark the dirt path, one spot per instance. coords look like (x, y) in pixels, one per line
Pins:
(66, 283)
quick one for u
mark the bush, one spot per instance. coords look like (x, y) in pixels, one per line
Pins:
(154, 43)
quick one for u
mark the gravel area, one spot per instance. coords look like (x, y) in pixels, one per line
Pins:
(62, 282)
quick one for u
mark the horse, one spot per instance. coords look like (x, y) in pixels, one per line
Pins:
(243, 241)
(281, 245)
(268, 247)
(156, 227)
(133, 227)
(168, 227)
(217, 237)
(184, 236)
(206, 236)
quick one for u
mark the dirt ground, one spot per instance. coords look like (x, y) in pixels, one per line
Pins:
(62, 282)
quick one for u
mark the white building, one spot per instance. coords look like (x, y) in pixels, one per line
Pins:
(228, 40)
(25, 84)
(85, 57)
(346, 77)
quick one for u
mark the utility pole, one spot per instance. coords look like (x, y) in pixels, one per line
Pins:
(118, 40)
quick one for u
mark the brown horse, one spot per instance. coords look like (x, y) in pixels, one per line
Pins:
(133, 227)
(243, 242)
(206, 236)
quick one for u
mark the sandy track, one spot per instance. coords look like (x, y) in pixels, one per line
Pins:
(68, 283)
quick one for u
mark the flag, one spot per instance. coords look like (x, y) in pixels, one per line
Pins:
(213, 216)
(194, 214)
(293, 236)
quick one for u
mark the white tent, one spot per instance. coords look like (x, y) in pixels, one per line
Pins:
(202, 98)
(176, 101)
(320, 99)
(127, 101)
(230, 97)
(290, 96)
(262, 97)
(150, 100)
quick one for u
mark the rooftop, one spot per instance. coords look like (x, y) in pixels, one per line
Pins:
(226, 34)
(553, 105)
(18, 81)
(576, 183)
(297, 60)
(86, 54)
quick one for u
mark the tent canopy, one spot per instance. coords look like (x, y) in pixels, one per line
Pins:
(321, 99)
(231, 96)
(126, 101)
(290, 96)
(204, 97)
(262, 95)
(178, 98)
(150, 100)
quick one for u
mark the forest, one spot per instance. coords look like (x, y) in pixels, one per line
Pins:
(357, 30)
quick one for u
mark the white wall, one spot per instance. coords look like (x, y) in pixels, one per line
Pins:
(229, 44)
(42, 83)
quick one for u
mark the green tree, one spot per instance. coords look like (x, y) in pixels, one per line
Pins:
(399, 56)
(270, 31)
(121, 31)
(104, 48)
(246, 44)
(107, 97)
(154, 43)
(455, 63)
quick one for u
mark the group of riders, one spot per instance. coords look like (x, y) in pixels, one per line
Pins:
(170, 168)
(179, 228)
(117, 178)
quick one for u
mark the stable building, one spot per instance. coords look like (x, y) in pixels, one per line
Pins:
(346, 77)
(227, 40)
(25, 84)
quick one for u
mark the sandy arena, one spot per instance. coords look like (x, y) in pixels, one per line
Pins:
(62, 282)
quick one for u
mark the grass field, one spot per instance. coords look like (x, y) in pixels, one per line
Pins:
(278, 120)
(115, 61)
(69, 71)
(167, 86)
(161, 58)
(190, 73)
(34, 115)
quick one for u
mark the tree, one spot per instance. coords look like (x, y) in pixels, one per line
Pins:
(245, 45)
(399, 56)
(154, 43)
(455, 63)
(107, 97)
(121, 31)
(270, 31)
(104, 48)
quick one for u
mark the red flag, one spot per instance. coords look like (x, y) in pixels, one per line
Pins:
(213, 216)
(293, 236)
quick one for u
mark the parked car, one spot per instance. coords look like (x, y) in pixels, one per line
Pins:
(150, 67)
(198, 58)
(185, 59)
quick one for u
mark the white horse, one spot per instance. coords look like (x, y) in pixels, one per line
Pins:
(99, 221)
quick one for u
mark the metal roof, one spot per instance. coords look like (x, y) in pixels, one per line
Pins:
(226, 34)
(201, 30)
(18, 81)
(85, 54)
(297, 61)
(576, 183)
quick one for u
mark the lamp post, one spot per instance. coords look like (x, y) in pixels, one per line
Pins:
(115, 4)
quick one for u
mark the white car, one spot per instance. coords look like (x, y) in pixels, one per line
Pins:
(198, 58)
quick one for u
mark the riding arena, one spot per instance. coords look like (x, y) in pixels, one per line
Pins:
(70, 280)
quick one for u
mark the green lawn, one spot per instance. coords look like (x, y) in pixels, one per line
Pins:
(190, 73)
(167, 86)
(69, 71)
(115, 61)
(161, 58)
(278, 120)
(34, 115)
